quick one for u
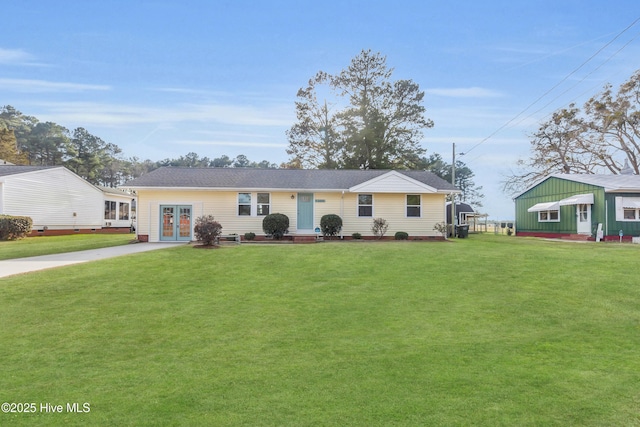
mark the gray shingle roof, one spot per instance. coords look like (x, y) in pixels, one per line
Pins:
(250, 178)
(6, 170)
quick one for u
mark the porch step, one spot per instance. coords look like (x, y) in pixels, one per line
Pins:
(304, 238)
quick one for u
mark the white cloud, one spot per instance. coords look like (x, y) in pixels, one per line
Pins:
(15, 56)
(189, 91)
(232, 143)
(469, 92)
(121, 115)
(39, 86)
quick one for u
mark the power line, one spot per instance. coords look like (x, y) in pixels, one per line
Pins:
(554, 87)
(582, 80)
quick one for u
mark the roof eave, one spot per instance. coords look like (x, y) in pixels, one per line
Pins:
(266, 189)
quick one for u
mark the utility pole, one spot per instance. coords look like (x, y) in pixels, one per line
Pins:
(453, 196)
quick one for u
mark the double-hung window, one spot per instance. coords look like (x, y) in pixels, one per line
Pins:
(124, 211)
(110, 209)
(264, 204)
(254, 204)
(549, 216)
(365, 205)
(413, 206)
(244, 204)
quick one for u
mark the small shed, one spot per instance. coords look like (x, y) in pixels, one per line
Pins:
(464, 213)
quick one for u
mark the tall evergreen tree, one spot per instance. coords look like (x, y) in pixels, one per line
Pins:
(88, 155)
(8, 148)
(380, 127)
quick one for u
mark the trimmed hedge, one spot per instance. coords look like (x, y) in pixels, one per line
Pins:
(401, 235)
(276, 224)
(14, 227)
(330, 224)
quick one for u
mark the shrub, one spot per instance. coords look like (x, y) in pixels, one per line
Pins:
(401, 235)
(356, 236)
(442, 228)
(276, 224)
(14, 227)
(379, 227)
(249, 236)
(330, 224)
(207, 230)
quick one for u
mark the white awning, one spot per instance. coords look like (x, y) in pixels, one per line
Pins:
(548, 206)
(631, 202)
(578, 199)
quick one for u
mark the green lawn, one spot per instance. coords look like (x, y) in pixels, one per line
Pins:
(46, 245)
(488, 330)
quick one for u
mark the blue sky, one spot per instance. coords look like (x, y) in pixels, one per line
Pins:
(164, 78)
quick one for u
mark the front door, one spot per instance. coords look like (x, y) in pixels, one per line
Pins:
(175, 222)
(583, 212)
(305, 212)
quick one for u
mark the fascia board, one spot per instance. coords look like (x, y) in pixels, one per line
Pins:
(265, 189)
(359, 187)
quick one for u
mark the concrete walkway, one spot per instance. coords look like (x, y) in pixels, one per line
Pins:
(26, 265)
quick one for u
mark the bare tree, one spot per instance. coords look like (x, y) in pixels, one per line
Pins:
(602, 137)
(614, 124)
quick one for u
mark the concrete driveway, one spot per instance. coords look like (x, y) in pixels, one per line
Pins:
(26, 265)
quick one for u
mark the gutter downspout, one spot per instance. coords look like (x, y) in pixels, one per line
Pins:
(342, 213)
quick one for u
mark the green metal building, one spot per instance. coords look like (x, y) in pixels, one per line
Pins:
(592, 206)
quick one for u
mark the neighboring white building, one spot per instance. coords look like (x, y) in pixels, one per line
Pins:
(119, 208)
(60, 202)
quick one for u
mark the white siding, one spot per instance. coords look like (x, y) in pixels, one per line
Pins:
(119, 199)
(55, 198)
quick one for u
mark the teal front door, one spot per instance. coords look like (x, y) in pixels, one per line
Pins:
(305, 211)
(175, 223)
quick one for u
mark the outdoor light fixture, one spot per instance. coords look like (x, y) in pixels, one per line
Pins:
(293, 197)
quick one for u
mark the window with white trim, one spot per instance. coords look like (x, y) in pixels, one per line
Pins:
(549, 216)
(123, 213)
(365, 205)
(244, 204)
(110, 209)
(628, 209)
(264, 204)
(413, 206)
(254, 204)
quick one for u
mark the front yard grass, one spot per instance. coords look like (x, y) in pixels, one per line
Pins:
(480, 331)
(48, 245)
